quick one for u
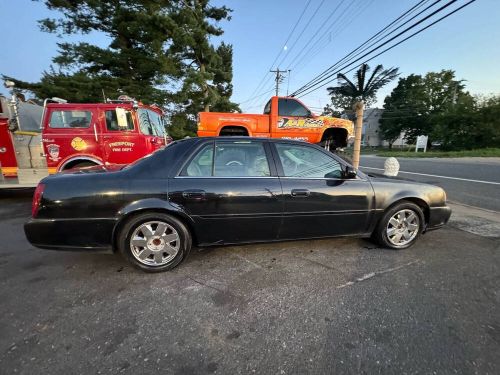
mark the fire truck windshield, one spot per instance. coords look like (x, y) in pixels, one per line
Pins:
(151, 123)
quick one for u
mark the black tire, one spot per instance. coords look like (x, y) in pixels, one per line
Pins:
(380, 234)
(82, 164)
(127, 249)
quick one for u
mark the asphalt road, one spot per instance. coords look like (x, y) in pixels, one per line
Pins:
(309, 307)
(463, 186)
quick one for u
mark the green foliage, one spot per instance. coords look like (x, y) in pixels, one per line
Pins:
(135, 62)
(363, 89)
(437, 105)
(469, 124)
(159, 51)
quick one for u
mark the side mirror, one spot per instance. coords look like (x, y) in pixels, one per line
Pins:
(350, 172)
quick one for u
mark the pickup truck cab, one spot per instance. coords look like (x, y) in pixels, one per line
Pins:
(283, 117)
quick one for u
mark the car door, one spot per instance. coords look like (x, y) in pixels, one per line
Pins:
(153, 134)
(121, 145)
(231, 191)
(318, 201)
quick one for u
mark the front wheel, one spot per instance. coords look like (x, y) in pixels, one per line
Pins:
(154, 242)
(400, 226)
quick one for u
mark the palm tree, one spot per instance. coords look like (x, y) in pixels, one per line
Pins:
(362, 91)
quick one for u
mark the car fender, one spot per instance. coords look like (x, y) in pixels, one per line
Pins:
(148, 205)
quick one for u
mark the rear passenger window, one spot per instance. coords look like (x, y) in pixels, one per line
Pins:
(240, 159)
(231, 159)
(202, 163)
(70, 119)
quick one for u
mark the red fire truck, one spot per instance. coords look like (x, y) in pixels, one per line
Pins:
(72, 135)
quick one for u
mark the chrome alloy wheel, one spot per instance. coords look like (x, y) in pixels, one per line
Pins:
(155, 243)
(403, 227)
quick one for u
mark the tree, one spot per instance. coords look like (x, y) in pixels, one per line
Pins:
(415, 102)
(207, 69)
(134, 62)
(360, 92)
(470, 123)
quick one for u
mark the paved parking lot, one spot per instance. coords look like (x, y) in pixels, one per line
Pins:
(325, 306)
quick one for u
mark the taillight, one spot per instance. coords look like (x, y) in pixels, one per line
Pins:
(37, 198)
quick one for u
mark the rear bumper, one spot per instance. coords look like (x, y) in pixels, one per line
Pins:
(438, 216)
(71, 234)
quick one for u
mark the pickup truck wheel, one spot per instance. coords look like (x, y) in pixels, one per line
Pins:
(154, 242)
(400, 226)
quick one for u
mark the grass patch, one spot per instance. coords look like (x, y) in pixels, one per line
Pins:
(484, 152)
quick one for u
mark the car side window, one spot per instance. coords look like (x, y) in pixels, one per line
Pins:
(70, 119)
(292, 108)
(112, 121)
(201, 164)
(240, 159)
(231, 159)
(307, 162)
(146, 125)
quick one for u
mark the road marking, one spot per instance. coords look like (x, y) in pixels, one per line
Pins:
(435, 175)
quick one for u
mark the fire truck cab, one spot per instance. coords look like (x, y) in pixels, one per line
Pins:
(75, 135)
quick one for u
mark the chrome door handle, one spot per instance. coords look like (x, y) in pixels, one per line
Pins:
(300, 193)
(194, 194)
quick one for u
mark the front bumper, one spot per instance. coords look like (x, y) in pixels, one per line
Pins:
(438, 216)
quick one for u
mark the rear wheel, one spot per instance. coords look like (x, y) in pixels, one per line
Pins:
(400, 226)
(81, 164)
(154, 242)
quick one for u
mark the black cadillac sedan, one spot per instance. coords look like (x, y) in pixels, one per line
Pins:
(226, 190)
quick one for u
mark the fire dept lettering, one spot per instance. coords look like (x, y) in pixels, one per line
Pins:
(78, 144)
(121, 146)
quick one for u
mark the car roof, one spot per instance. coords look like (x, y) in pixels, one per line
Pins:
(246, 138)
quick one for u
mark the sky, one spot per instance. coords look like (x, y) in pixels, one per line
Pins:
(467, 42)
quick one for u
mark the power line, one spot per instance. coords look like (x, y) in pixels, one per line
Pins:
(402, 16)
(318, 30)
(302, 32)
(281, 50)
(331, 35)
(397, 44)
(312, 88)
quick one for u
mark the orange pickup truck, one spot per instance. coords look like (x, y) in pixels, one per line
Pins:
(283, 117)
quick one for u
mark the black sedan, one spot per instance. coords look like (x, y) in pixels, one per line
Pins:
(226, 190)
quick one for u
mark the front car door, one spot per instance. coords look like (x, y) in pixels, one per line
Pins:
(319, 202)
(120, 141)
(152, 127)
(231, 190)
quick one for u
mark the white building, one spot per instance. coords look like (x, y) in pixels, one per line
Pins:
(371, 127)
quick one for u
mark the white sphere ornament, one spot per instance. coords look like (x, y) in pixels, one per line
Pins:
(391, 167)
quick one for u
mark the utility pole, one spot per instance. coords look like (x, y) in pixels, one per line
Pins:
(280, 75)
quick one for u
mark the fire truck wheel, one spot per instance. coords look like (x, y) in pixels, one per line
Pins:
(81, 164)
(154, 242)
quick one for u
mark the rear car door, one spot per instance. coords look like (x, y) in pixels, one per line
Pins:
(231, 191)
(318, 201)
